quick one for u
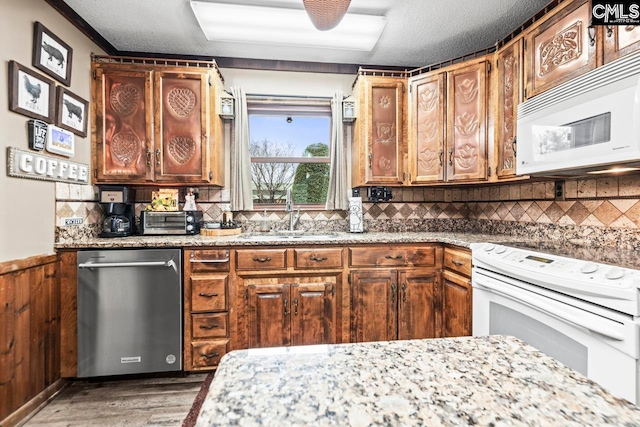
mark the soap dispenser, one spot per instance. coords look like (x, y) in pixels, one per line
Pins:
(265, 223)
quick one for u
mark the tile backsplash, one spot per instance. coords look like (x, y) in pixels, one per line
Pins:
(603, 211)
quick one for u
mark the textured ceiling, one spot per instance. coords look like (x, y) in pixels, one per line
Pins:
(417, 33)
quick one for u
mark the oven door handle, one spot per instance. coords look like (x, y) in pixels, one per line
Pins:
(552, 309)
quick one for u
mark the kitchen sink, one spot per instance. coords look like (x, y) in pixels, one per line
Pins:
(287, 236)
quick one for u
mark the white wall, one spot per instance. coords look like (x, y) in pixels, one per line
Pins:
(27, 214)
(260, 82)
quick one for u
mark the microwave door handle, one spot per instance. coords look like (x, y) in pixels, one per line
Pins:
(550, 309)
(169, 263)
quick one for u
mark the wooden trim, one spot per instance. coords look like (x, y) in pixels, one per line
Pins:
(76, 20)
(34, 405)
(26, 263)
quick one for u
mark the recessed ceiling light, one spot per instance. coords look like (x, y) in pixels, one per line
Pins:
(291, 27)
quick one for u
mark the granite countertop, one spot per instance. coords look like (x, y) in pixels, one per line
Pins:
(254, 239)
(496, 380)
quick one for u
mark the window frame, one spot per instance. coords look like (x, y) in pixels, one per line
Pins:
(295, 106)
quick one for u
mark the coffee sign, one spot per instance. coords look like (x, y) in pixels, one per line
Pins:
(29, 164)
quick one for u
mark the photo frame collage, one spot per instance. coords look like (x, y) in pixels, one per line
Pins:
(36, 96)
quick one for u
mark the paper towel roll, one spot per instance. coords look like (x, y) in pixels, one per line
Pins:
(355, 215)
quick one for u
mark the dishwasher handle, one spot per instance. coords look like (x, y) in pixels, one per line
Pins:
(168, 263)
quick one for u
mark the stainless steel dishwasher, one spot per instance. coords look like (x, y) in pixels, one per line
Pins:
(129, 311)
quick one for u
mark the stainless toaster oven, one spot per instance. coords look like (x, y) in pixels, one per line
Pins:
(180, 222)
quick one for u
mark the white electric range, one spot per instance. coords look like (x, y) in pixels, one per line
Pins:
(579, 305)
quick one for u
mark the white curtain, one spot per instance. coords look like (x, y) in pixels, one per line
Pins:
(241, 191)
(338, 193)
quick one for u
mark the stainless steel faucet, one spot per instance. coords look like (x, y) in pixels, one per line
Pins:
(293, 219)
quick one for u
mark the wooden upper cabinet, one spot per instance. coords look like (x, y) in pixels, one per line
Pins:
(379, 133)
(561, 48)
(467, 123)
(426, 136)
(156, 123)
(123, 133)
(509, 95)
(182, 126)
(620, 41)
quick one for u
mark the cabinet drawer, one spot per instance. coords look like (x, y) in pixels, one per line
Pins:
(208, 260)
(209, 325)
(388, 256)
(209, 293)
(318, 258)
(261, 259)
(458, 260)
(208, 353)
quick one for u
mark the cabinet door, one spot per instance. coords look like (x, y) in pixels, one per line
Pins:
(374, 305)
(456, 305)
(312, 314)
(509, 68)
(181, 120)
(426, 128)
(123, 134)
(268, 312)
(417, 302)
(561, 48)
(385, 132)
(620, 41)
(467, 123)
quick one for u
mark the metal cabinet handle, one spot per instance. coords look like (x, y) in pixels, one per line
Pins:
(285, 304)
(148, 157)
(404, 292)
(262, 259)
(592, 35)
(393, 256)
(295, 305)
(213, 326)
(609, 30)
(208, 295)
(370, 160)
(192, 258)
(158, 157)
(456, 262)
(514, 145)
(440, 154)
(316, 259)
(393, 292)
(451, 156)
(210, 355)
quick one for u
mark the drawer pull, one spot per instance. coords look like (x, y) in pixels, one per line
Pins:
(209, 261)
(210, 355)
(393, 256)
(316, 259)
(267, 259)
(456, 262)
(215, 325)
(208, 295)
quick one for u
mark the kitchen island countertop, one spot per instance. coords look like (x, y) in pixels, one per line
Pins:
(496, 380)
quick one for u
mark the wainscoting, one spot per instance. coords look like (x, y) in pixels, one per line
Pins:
(29, 335)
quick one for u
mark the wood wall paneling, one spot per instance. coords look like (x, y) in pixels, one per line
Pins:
(29, 331)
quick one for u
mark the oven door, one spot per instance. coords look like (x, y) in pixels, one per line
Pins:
(601, 348)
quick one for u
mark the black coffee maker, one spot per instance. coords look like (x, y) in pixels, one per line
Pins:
(117, 202)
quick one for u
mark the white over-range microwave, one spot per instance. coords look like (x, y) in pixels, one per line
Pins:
(588, 124)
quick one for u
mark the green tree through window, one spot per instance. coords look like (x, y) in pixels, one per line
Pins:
(312, 179)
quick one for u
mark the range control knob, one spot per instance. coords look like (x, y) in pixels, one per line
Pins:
(614, 273)
(588, 268)
(489, 247)
(501, 250)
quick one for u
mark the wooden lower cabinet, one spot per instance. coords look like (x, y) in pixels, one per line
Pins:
(300, 312)
(456, 305)
(390, 304)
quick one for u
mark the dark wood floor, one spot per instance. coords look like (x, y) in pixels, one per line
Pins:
(141, 402)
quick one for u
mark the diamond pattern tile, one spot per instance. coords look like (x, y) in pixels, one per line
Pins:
(607, 213)
(391, 210)
(578, 212)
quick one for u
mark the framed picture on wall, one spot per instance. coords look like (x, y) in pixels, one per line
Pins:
(71, 112)
(30, 93)
(51, 55)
